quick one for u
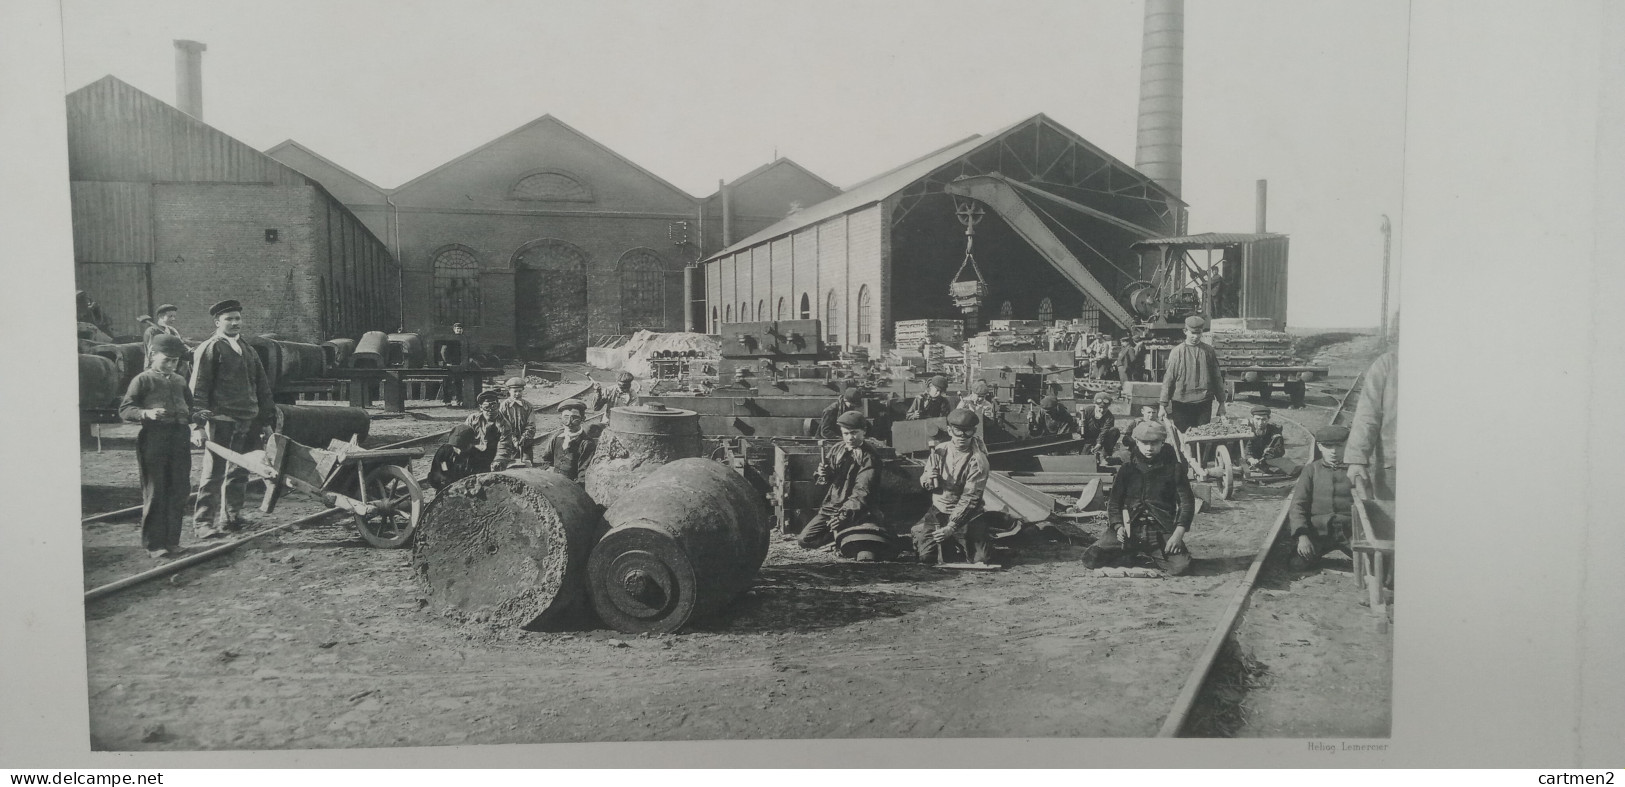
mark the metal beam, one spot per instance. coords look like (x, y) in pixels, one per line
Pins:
(996, 193)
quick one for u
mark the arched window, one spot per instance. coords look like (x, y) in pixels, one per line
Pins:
(730, 315)
(457, 287)
(744, 312)
(832, 319)
(716, 321)
(806, 307)
(780, 315)
(1046, 311)
(864, 318)
(761, 310)
(551, 186)
(643, 291)
(1090, 316)
(1006, 311)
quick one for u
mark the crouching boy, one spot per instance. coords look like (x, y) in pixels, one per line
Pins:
(1150, 508)
(1319, 516)
(161, 401)
(849, 469)
(459, 458)
(956, 476)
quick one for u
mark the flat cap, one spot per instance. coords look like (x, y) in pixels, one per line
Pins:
(624, 377)
(1048, 402)
(167, 307)
(1150, 430)
(489, 395)
(852, 420)
(573, 404)
(962, 418)
(1195, 323)
(940, 382)
(169, 345)
(456, 325)
(514, 382)
(224, 306)
(1103, 398)
(851, 395)
(1261, 410)
(979, 387)
(1332, 435)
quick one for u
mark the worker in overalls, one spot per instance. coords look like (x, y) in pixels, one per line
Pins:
(956, 474)
(570, 449)
(850, 469)
(1149, 510)
(931, 404)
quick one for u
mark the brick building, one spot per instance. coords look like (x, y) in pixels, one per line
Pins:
(1059, 219)
(543, 241)
(167, 209)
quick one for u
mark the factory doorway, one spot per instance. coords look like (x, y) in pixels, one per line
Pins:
(550, 301)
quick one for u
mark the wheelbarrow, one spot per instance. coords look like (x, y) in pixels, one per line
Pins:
(375, 486)
(1217, 458)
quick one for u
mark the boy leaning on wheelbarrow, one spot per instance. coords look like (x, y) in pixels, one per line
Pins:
(1150, 508)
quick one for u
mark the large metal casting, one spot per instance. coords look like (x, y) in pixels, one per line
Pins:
(319, 425)
(639, 440)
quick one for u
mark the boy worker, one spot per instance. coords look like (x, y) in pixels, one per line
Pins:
(1319, 516)
(849, 469)
(931, 404)
(229, 383)
(1098, 426)
(518, 422)
(1051, 419)
(1266, 442)
(1150, 507)
(160, 400)
(489, 432)
(850, 401)
(981, 402)
(571, 449)
(1192, 386)
(956, 475)
(459, 458)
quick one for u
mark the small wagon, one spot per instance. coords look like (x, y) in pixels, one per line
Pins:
(1217, 457)
(375, 486)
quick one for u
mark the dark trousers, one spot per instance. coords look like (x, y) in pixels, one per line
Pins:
(1325, 543)
(829, 520)
(164, 459)
(215, 480)
(972, 545)
(1188, 415)
(1146, 540)
(1104, 443)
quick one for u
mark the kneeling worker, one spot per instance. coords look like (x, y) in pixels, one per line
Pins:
(956, 475)
(570, 449)
(933, 403)
(1319, 516)
(849, 469)
(1098, 426)
(1150, 507)
(1051, 419)
(459, 458)
(1266, 442)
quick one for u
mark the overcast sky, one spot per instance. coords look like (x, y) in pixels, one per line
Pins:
(1309, 95)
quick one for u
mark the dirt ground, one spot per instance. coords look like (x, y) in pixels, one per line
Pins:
(312, 639)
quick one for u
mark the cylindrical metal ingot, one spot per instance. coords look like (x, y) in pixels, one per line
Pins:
(98, 382)
(508, 547)
(299, 361)
(338, 352)
(370, 351)
(411, 349)
(681, 546)
(640, 439)
(315, 426)
(874, 539)
(270, 353)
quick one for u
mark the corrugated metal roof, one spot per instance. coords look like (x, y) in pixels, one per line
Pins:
(1210, 239)
(892, 181)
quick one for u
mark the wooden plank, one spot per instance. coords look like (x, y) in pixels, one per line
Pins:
(752, 426)
(767, 406)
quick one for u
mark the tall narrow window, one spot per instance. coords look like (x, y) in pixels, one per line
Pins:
(643, 291)
(1046, 312)
(457, 287)
(1090, 316)
(1006, 311)
(864, 318)
(806, 307)
(832, 319)
(781, 315)
(716, 321)
(761, 310)
(730, 316)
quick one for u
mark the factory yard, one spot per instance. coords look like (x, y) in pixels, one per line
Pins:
(312, 639)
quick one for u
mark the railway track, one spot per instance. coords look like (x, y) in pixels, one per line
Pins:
(584, 384)
(1174, 724)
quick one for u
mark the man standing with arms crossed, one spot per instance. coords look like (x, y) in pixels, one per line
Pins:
(1192, 385)
(228, 382)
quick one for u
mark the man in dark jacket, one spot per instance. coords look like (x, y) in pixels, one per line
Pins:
(851, 401)
(1319, 517)
(460, 458)
(1150, 508)
(1098, 426)
(571, 449)
(850, 469)
(1051, 419)
(230, 384)
(931, 404)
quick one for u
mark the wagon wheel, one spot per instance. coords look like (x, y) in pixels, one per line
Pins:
(1227, 471)
(397, 502)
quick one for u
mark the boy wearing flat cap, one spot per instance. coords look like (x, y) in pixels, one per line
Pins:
(1266, 442)
(931, 404)
(517, 417)
(981, 402)
(1319, 516)
(850, 401)
(1051, 419)
(956, 474)
(1150, 508)
(159, 399)
(1192, 386)
(489, 433)
(622, 395)
(229, 383)
(570, 449)
(1098, 425)
(849, 468)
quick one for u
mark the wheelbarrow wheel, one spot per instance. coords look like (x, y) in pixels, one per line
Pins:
(398, 504)
(1227, 471)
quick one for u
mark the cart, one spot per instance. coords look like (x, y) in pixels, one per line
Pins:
(1217, 457)
(375, 486)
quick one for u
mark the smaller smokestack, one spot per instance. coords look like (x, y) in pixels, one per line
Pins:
(1263, 204)
(189, 77)
(727, 213)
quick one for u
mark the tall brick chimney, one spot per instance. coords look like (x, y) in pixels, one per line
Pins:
(1158, 151)
(189, 77)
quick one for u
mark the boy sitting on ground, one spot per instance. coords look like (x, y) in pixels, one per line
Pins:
(849, 469)
(1149, 510)
(1266, 442)
(956, 474)
(459, 458)
(1319, 517)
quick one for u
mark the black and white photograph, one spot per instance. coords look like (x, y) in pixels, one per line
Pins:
(489, 373)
